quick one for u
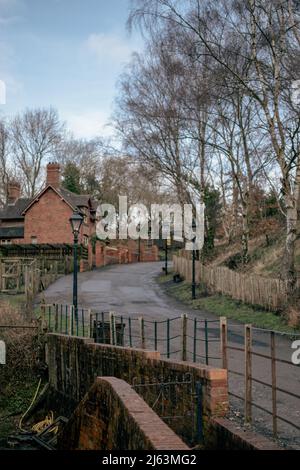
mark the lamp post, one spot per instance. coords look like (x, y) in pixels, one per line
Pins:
(75, 221)
(166, 257)
(193, 264)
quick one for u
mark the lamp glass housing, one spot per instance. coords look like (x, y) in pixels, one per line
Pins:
(76, 222)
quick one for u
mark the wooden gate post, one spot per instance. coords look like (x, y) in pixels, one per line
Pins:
(184, 336)
(43, 315)
(248, 373)
(223, 343)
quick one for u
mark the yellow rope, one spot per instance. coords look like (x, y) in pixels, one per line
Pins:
(39, 427)
(30, 406)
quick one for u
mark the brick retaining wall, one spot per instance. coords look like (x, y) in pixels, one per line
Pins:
(74, 363)
(227, 435)
(112, 416)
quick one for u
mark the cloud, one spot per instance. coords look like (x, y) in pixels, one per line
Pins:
(88, 124)
(109, 46)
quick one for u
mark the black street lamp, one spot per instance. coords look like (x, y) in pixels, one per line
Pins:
(193, 263)
(166, 257)
(75, 221)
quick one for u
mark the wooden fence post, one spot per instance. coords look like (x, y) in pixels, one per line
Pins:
(43, 315)
(26, 283)
(248, 373)
(184, 336)
(274, 389)
(142, 332)
(223, 337)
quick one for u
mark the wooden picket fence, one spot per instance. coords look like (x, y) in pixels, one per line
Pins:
(256, 290)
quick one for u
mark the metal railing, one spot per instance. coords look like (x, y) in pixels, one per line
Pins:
(268, 369)
(180, 336)
(248, 359)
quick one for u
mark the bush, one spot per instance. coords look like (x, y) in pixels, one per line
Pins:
(24, 349)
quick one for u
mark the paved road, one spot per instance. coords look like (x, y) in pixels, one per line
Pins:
(129, 288)
(132, 290)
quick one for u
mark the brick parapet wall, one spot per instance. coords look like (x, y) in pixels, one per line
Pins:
(74, 363)
(227, 435)
(112, 416)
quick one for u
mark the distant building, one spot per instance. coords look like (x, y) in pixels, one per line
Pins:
(44, 219)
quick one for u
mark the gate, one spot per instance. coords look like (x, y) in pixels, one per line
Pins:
(179, 404)
(13, 274)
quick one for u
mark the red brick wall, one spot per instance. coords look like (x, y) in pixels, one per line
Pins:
(124, 253)
(99, 256)
(227, 435)
(113, 416)
(48, 220)
(87, 360)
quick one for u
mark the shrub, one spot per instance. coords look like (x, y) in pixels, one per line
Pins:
(24, 351)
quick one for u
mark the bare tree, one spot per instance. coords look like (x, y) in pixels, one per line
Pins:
(35, 135)
(151, 119)
(264, 36)
(4, 163)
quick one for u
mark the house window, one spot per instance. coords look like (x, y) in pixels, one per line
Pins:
(85, 240)
(6, 242)
(33, 240)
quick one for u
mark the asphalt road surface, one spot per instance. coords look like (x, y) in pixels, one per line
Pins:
(132, 290)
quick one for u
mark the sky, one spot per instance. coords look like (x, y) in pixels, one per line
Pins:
(67, 54)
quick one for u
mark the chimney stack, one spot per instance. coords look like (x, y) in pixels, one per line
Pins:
(53, 175)
(13, 191)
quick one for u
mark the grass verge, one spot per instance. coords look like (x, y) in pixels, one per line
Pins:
(224, 306)
(15, 300)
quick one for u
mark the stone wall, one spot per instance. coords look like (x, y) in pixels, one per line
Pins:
(75, 363)
(112, 416)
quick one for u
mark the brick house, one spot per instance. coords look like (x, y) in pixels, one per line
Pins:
(44, 219)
